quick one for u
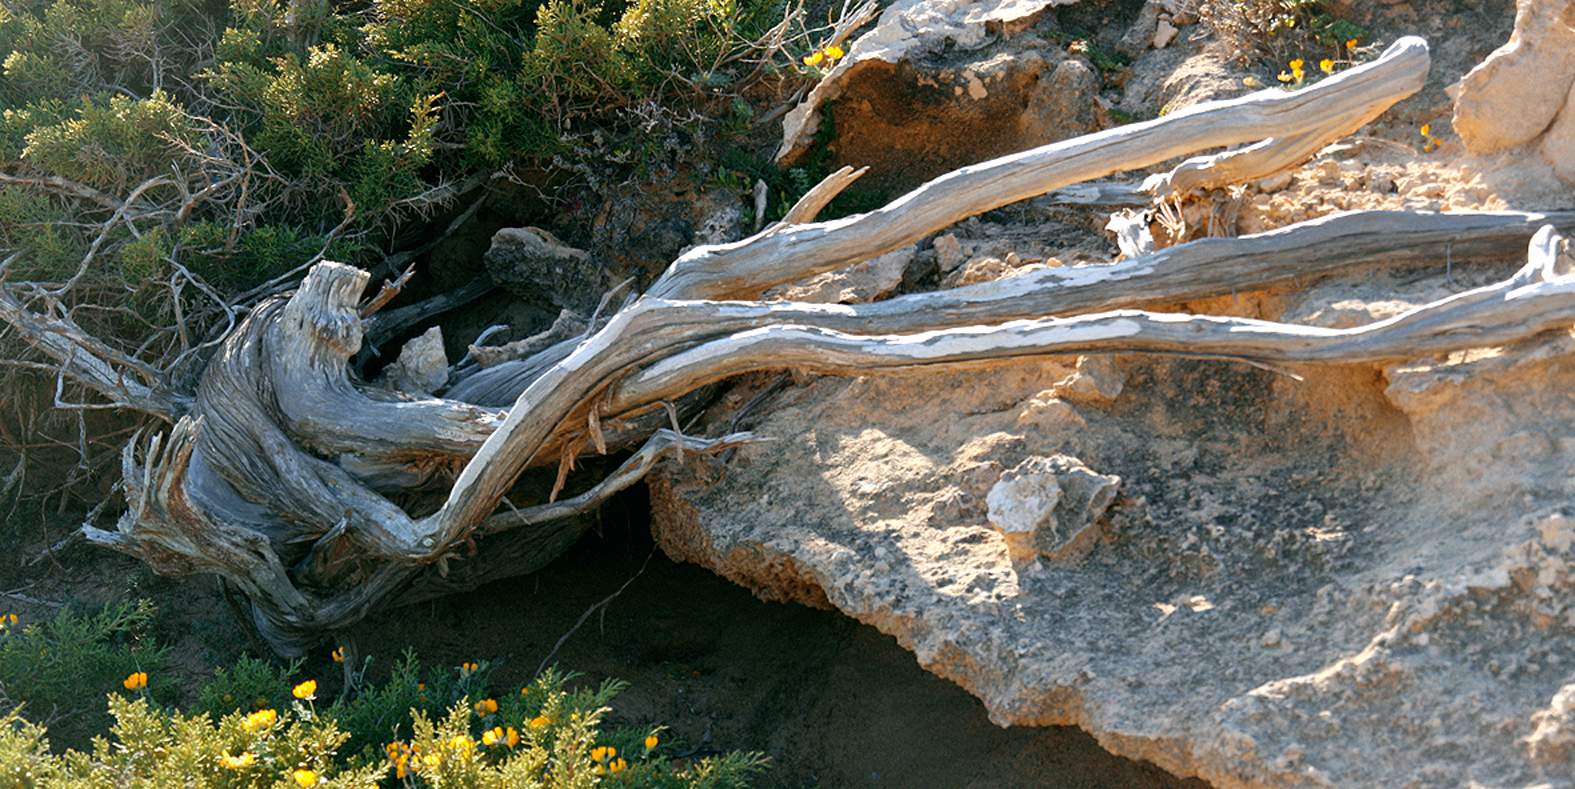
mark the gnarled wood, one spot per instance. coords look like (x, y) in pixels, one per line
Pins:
(322, 499)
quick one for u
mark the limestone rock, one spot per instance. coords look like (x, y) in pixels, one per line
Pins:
(1514, 94)
(1554, 737)
(1558, 145)
(861, 282)
(422, 366)
(1097, 380)
(1358, 577)
(1164, 33)
(534, 265)
(1139, 37)
(1049, 506)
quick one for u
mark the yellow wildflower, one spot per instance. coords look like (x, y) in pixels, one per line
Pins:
(304, 777)
(137, 681)
(306, 690)
(814, 59)
(260, 719)
(834, 52)
(1326, 65)
(486, 706)
(1252, 82)
(511, 737)
(539, 722)
(466, 669)
(399, 754)
(432, 760)
(245, 759)
(1296, 69)
(339, 655)
(1351, 44)
(617, 765)
(1284, 77)
(1429, 141)
(461, 744)
(603, 753)
(650, 743)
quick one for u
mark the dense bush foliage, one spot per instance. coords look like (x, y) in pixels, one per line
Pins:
(315, 111)
(257, 724)
(59, 671)
(166, 163)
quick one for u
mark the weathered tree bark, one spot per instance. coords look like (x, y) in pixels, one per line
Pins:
(321, 499)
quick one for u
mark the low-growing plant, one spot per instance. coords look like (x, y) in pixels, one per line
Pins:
(546, 735)
(57, 672)
(1279, 29)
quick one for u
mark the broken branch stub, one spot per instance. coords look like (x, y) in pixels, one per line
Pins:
(322, 499)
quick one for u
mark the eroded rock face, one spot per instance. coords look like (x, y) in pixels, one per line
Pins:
(1363, 578)
(1511, 97)
(914, 120)
(939, 84)
(533, 264)
(1520, 95)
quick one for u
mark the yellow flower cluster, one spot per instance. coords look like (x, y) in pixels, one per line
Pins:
(486, 707)
(405, 757)
(607, 761)
(498, 735)
(304, 777)
(306, 690)
(1429, 142)
(137, 681)
(828, 56)
(339, 655)
(260, 719)
(244, 759)
(1296, 74)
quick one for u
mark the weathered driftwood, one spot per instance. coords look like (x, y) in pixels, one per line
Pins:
(1321, 113)
(320, 499)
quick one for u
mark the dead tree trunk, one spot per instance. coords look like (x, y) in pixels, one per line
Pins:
(320, 499)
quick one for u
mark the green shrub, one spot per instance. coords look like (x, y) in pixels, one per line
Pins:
(31, 221)
(59, 672)
(249, 685)
(112, 143)
(544, 736)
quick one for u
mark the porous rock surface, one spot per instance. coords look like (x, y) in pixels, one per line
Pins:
(1360, 578)
(1519, 95)
(939, 84)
